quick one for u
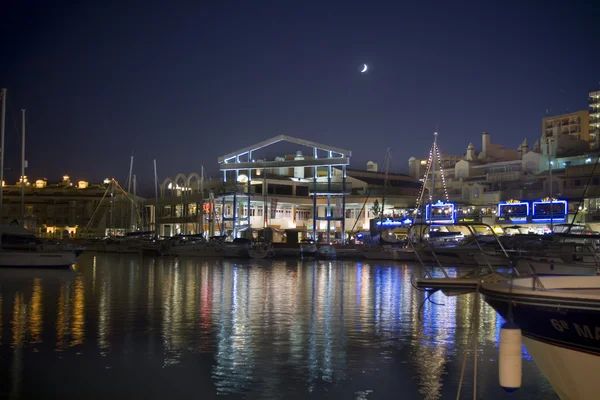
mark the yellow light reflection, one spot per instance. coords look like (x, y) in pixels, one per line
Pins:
(36, 310)
(78, 330)
(19, 320)
(104, 317)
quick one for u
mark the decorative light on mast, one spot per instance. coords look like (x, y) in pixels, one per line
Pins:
(434, 154)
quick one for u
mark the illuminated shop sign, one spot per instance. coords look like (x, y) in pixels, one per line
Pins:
(548, 209)
(394, 222)
(440, 212)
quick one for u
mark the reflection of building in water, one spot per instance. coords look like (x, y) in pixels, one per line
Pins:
(434, 341)
(173, 313)
(70, 316)
(36, 309)
(62, 316)
(19, 320)
(78, 326)
(104, 316)
(19, 326)
(206, 304)
(233, 306)
(364, 298)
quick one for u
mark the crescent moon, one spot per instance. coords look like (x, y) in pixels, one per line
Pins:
(364, 68)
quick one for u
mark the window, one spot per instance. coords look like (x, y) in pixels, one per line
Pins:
(302, 191)
(353, 213)
(303, 215)
(178, 210)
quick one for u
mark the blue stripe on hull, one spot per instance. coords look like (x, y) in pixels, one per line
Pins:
(574, 325)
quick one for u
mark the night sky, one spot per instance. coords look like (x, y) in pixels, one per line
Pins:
(187, 81)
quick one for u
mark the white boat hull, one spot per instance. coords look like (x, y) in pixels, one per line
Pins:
(36, 259)
(573, 374)
(555, 267)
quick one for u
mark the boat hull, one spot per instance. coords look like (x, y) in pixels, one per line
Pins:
(572, 374)
(18, 259)
(561, 333)
(196, 250)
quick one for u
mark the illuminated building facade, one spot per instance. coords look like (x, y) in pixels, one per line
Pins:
(594, 111)
(66, 208)
(255, 192)
(575, 124)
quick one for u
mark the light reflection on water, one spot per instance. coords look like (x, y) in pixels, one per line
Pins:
(168, 327)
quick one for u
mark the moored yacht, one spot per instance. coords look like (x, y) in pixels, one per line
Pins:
(560, 321)
(21, 249)
(195, 246)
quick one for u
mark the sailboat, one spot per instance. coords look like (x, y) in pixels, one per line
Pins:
(387, 250)
(19, 247)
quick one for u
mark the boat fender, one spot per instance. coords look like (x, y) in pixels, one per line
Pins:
(510, 359)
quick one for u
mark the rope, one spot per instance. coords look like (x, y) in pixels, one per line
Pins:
(365, 203)
(475, 337)
(581, 199)
(464, 364)
(95, 211)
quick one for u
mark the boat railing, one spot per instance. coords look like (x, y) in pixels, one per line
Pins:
(535, 279)
(471, 227)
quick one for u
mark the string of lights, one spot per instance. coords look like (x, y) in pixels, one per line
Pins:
(434, 149)
(437, 150)
(424, 185)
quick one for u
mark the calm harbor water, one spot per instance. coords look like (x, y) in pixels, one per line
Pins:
(131, 327)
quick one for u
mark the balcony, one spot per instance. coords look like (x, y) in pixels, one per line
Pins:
(324, 187)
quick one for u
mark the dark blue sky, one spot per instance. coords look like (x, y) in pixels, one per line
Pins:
(185, 82)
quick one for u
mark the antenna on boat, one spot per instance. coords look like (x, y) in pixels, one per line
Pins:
(2, 126)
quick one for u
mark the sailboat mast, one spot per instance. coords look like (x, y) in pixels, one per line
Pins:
(129, 192)
(387, 163)
(201, 213)
(2, 125)
(433, 158)
(23, 168)
(135, 211)
(156, 198)
(112, 208)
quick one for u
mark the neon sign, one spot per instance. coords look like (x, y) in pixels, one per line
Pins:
(440, 212)
(513, 211)
(547, 210)
(395, 222)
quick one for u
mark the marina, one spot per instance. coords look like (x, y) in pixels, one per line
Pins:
(243, 328)
(332, 267)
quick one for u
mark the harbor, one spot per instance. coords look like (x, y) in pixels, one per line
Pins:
(405, 257)
(291, 200)
(246, 329)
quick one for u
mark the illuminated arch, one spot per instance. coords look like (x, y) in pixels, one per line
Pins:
(190, 180)
(165, 186)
